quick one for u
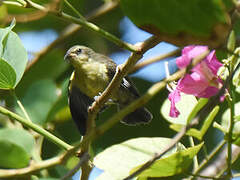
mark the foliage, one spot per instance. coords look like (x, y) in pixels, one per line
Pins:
(38, 139)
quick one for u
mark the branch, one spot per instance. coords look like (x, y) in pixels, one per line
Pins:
(219, 166)
(34, 167)
(155, 59)
(83, 159)
(152, 91)
(209, 158)
(122, 71)
(36, 128)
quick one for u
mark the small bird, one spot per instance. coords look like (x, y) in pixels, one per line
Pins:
(92, 74)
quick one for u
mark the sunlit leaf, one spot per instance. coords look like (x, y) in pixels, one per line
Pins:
(12, 51)
(118, 160)
(173, 164)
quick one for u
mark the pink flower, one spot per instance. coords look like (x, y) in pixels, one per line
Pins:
(202, 81)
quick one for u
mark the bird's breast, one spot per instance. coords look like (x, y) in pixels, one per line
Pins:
(91, 78)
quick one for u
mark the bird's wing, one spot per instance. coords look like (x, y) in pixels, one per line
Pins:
(127, 84)
(79, 104)
(111, 66)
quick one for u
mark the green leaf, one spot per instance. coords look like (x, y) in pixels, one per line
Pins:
(184, 110)
(231, 41)
(181, 22)
(3, 35)
(118, 160)
(39, 99)
(226, 119)
(208, 121)
(60, 111)
(198, 133)
(7, 75)
(174, 164)
(19, 137)
(12, 155)
(12, 51)
(191, 132)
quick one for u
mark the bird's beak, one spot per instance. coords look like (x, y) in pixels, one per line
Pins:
(68, 56)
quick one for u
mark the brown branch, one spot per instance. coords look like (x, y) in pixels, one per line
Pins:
(155, 59)
(121, 72)
(34, 167)
(26, 17)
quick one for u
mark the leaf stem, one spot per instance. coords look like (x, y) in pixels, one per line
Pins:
(195, 159)
(74, 10)
(210, 157)
(12, 3)
(21, 106)
(36, 128)
(231, 103)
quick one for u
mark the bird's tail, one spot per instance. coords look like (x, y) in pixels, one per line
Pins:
(139, 116)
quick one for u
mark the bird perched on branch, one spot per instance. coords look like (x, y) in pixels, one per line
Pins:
(92, 74)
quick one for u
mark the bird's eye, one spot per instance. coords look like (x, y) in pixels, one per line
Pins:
(79, 51)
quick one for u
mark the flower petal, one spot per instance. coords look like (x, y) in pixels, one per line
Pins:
(192, 84)
(208, 92)
(188, 53)
(213, 62)
(174, 97)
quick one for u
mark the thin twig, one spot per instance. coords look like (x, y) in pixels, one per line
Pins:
(74, 10)
(155, 59)
(122, 71)
(210, 157)
(13, 173)
(85, 157)
(201, 176)
(21, 106)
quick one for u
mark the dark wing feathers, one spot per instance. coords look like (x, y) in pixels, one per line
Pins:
(79, 104)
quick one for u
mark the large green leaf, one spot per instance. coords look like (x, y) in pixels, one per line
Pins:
(7, 75)
(181, 22)
(39, 99)
(12, 51)
(20, 137)
(118, 160)
(12, 155)
(16, 148)
(174, 164)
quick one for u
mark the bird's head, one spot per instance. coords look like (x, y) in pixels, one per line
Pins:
(77, 55)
